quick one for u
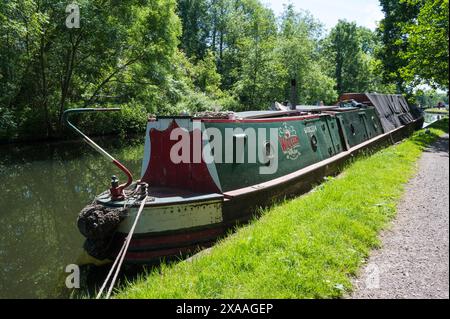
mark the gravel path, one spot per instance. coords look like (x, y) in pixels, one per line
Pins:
(414, 259)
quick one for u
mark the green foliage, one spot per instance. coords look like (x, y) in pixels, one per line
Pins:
(252, 52)
(172, 56)
(196, 23)
(354, 66)
(430, 98)
(296, 47)
(397, 14)
(46, 67)
(132, 118)
(415, 35)
(197, 102)
(257, 77)
(206, 77)
(317, 87)
(7, 124)
(427, 55)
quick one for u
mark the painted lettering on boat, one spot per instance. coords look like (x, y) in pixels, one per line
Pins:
(310, 129)
(289, 141)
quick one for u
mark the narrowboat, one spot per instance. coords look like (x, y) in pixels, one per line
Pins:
(203, 174)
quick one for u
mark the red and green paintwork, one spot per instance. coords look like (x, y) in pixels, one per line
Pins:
(312, 138)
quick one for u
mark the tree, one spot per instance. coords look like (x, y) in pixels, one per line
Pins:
(253, 45)
(426, 55)
(46, 67)
(206, 77)
(430, 98)
(296, 47)
(391, 29)
(196, 25)
(20, 31)
(349, 53)
(168, 56)
(350, 68)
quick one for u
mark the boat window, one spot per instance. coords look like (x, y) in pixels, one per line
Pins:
(213, 149)
(314, 143)
(374, 123)
(269, 152)
(268, 148)
(352, 129)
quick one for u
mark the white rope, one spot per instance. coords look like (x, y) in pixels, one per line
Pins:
(111, 271)
(120, 257)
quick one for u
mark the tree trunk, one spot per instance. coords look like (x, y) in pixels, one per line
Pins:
(65, 83)
(44, 87)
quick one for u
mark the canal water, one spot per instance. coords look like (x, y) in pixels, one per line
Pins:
(42, 189)
(432, 117)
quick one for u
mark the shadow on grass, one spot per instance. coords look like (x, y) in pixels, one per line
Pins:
(440, 125)
(425, 138)
(440, 146)
(93, 276)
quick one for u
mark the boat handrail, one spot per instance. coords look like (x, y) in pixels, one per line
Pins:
(94, 145)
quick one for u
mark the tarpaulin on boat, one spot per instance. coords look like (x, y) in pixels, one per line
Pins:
(392, 109)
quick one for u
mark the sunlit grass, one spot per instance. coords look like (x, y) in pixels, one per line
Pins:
(437, 111)
(303, 248)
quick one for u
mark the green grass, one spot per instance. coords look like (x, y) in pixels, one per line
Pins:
(308, 247)
(437, 111)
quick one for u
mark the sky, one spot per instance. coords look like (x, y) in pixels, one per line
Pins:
(364, 12)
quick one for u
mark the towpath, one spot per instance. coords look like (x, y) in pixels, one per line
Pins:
(413, 261)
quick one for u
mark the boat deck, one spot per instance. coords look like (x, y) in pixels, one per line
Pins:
(163, 196)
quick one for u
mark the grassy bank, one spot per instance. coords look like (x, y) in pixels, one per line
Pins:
(437, 111)
(303, 248)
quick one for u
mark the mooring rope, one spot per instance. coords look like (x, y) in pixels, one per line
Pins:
(121, 255)
(111, 271)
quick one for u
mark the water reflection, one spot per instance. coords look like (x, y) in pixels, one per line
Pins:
(43, 187)
(431, 118)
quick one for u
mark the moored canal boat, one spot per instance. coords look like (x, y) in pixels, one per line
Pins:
(203, 174)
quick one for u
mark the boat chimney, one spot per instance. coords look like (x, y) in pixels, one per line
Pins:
(293, 94)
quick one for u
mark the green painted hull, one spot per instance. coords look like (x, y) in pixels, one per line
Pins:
(358, 125)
